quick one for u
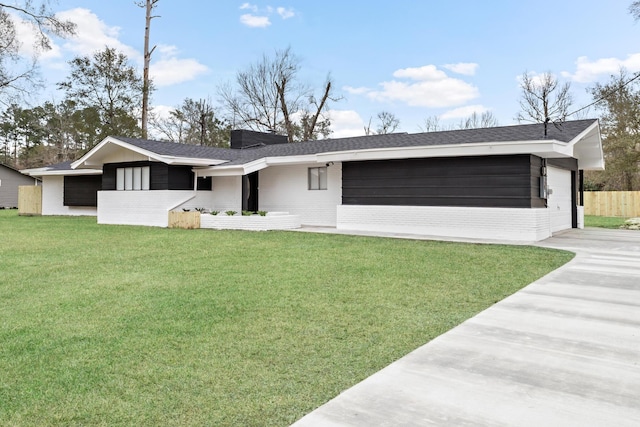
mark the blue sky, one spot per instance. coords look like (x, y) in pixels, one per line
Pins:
(413, 58)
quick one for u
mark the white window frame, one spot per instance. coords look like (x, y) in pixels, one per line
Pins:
(135, 178)
(317, 178)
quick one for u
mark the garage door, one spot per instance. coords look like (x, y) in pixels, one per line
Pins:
(559, 198)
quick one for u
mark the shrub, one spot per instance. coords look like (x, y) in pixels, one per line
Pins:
(262, 213)
(230, 213)
(247, 213)
(214, 212)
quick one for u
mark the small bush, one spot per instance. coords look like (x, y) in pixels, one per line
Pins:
(230, 213)
(262, 213)
(631, 224)
(186, 210)
(201, 210)
(214, 212)
(247, 213)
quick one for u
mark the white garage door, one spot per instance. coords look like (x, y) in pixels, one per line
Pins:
(559, 198)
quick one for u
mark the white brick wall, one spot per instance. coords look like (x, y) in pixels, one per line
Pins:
(253, 222)
(53, 199)
(226, 194)
(481, 223)
(285, 188)
(139, 207)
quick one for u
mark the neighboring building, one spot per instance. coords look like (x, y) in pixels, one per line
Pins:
(10, 180)
(512, 183)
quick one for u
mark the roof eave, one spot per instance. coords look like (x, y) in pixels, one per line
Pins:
(39, 172)
(85, 161)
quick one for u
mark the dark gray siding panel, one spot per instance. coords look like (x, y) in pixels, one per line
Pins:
(162, 176)
(109, 174)
(10, 180)
(492, 181)
(81, 190)
(180, 178)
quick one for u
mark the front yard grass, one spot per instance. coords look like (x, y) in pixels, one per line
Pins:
(603, 221)
(122, 326)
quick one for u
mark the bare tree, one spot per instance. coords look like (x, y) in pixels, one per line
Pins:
(387, 123)
(484, 120)
(269, 97)
(543, 99)
(149, 5)
(18, 75)
(431, 124)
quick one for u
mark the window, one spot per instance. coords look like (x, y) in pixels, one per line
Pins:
(134, 178)
(318, 178)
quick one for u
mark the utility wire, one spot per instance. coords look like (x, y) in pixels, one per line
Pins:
(606, 95)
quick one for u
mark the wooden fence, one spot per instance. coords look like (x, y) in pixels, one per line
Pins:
(188, 220)
(624, 204)
(29, 200)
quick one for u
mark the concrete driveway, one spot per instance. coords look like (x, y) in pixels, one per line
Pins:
(563, 351)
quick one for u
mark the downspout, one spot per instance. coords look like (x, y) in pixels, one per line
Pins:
(193, 196)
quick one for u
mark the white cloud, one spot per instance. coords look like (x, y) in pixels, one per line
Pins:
(345, 123)
(285, 13)
(249, 6)
(356, 90)
(254, 21)
(463, 112)
(465, 68)
(430, 87)
(261, 17)
(428, 72)
(169, 70)
(93, 35)
(589, 71)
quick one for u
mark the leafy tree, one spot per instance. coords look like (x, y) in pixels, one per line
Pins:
(620, 125)
(544, 99)
(71, 130)
(24, 128)
(270, 98)
(107, 83)
(17, 74)
(194, 122)
(50, 133)
(634, 10)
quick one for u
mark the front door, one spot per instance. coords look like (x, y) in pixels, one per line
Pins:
(250, 192)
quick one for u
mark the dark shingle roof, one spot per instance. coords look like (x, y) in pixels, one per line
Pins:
(60, 166)
(564, 132)
(182, 150)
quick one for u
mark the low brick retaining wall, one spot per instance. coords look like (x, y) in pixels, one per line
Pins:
(272, 221)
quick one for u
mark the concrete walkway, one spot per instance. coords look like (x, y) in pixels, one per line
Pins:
(563, 351)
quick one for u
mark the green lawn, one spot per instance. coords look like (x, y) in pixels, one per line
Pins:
(603, 221)
(118, 325)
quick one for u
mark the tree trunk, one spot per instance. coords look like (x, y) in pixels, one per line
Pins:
(308, 133)
(147, 60)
